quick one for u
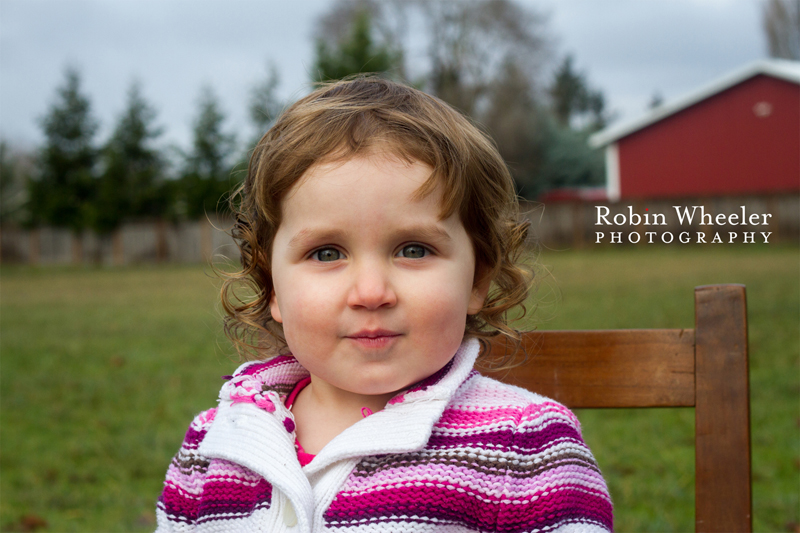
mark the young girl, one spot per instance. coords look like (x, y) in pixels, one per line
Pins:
(379, 235)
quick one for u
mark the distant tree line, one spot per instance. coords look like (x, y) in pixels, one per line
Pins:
(72, 181)
(491, 59)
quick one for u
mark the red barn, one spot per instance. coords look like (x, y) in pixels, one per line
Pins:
(740, 135)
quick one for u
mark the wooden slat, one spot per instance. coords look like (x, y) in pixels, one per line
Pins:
(611, 368)
(722, 415)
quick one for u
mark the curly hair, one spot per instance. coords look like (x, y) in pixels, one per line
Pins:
(343, 119)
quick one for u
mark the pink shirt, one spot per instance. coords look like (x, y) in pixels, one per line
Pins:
(302, 456)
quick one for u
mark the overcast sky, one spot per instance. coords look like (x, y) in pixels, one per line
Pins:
(628, 48)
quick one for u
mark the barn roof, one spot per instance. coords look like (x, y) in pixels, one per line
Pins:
(777, 68)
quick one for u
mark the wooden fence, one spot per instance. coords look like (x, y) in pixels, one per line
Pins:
(134, 243)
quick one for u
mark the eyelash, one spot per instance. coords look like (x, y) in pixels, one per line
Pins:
(315, 254)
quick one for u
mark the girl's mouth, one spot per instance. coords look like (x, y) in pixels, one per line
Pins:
(378, 338)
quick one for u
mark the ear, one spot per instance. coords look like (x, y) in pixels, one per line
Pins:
(274, 308)
(479, 292)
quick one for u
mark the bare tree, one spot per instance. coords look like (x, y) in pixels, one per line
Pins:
(472, 43)
(469, 43)
(487, 58)
(781, 21)
(512, 117)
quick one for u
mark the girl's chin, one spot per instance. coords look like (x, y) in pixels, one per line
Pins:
(385, 389)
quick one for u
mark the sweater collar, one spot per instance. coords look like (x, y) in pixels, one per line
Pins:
(268, 383)
(406, 423)
(253, 428)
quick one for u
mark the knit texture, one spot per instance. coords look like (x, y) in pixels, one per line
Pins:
(199, 490)
(494, 458)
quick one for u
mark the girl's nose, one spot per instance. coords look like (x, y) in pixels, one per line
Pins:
(371, 288)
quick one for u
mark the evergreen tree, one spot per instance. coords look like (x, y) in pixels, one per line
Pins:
(132, 181)
(656, 100)
(265, 106)
(574, 102)
(62, 192)
(207, 170)
(564, 156)
(567, 160)
(356, 54)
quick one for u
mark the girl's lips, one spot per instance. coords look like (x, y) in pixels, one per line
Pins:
(372, 334)
(375, 338)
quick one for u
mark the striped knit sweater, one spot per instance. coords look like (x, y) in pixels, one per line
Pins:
(456, 452)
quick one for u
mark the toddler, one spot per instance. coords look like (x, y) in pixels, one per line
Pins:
(379, 240)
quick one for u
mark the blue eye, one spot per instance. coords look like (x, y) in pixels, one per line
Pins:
(414, 251)
(326, 255)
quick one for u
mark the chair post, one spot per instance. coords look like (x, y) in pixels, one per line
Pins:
(722, 410)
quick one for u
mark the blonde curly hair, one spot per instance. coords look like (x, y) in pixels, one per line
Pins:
(343, 119)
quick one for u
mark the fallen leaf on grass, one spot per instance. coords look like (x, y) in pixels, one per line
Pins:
(146, 519)
(32, 522)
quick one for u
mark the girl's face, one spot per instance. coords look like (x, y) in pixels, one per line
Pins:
(372, 288)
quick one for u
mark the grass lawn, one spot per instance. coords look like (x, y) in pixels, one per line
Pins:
(101, 371)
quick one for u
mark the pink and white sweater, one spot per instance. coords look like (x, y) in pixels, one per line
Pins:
(456, 452)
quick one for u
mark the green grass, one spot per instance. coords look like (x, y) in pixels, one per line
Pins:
(101, 371)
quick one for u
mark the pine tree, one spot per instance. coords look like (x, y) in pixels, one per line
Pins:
(357, 54)
(206, 176)
(568, 92)
(62, 192)
(567, 159)
(574, 101)
(265, 106)
(131, 185)
(564, 156)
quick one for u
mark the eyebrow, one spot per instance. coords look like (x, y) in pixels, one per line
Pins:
(423, 232)
(308, 235)
(426, 233)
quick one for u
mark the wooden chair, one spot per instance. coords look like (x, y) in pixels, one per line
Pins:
(705, 368)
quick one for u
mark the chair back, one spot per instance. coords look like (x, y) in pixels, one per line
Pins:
(705, 368)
